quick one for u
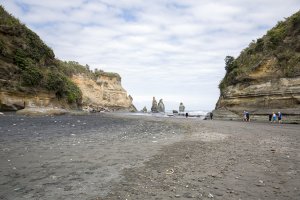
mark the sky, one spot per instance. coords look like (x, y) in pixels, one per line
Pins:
(171, 49)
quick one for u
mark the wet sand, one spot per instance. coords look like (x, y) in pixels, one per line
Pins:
(113, 156)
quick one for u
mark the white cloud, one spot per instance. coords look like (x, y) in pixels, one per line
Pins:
(170, 49)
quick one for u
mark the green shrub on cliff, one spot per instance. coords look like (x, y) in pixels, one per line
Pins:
(36, 66)
(63, 87)
(31, 76)
(281, 42)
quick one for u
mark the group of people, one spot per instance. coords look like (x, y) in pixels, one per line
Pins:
(273, 117)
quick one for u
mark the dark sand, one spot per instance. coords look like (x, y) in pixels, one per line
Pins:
(133, 157)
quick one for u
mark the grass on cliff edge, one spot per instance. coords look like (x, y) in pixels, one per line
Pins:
(281, 42)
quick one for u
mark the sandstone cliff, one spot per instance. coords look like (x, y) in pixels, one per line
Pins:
(31, 76)
(265, 78)
(103, 92)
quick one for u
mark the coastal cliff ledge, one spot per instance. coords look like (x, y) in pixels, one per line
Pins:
(265, 77)
(103, 92)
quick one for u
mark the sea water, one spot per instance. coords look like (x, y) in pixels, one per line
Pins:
(169, 113)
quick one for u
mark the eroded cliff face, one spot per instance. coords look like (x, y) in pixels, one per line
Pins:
(13, 100)
(265, 77)
(106, 92)
(264, 93)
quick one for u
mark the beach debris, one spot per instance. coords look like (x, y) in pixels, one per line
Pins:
(72, 134)
(154, 141)
(170, 171)
(1, 113)
(260, 183)
(177, 195)
(210, 195)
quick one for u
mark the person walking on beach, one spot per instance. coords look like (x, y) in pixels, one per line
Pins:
(244, 116)
(274, 117)
(279, 117)
(247, 117)
(270, 117)
(211, 115)
(186, 115)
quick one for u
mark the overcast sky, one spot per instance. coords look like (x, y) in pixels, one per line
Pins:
(172, 50)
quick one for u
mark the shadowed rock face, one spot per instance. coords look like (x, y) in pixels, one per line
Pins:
(265, 78)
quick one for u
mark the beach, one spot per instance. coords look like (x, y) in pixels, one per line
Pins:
(117, 156)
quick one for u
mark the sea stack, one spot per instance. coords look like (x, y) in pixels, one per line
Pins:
(144, 110)
(181, 107)
(154, 107)
(161, 106)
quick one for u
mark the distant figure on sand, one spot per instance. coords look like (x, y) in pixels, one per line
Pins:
(247, 117)
(274, 117)
(244, 116)
(270, 117)
(279, 117)
(211, 115)
(186, 115)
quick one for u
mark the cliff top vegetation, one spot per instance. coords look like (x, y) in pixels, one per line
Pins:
(281, 43)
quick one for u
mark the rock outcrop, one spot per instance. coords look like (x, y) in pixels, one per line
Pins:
(154, 107)
(104, 92)
(161, 106)
(144, 110)
(181, 107)
(13, 101)
(265, 78)
(31, 76)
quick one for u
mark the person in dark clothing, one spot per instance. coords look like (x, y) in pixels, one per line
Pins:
(247, 116)
(211, 115)
(279, 117)
(186, 115)
(270, 117)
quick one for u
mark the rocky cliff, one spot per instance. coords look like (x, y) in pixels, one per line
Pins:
(104, 92)
(31, 76)
(265, 78)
